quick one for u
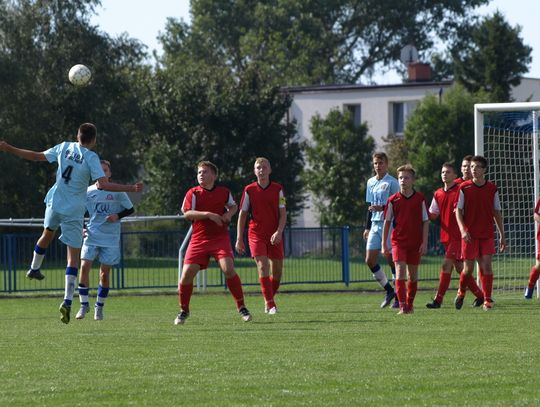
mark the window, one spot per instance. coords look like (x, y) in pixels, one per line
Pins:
(400, 112)
(356, 113)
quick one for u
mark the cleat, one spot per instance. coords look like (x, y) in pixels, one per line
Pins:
(65, 310)
(272, 311)
(98, 313)
(433, 305)
(478, 302)
(246, 316)
(458, 302)
(82, 311)
(395, 305)
(181, 318)
(34, 275)
(390, 295)
(529, 293)
(488, 306)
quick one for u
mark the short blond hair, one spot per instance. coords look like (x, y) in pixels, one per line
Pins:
(107, 163)
(407, 167)
(260, 160)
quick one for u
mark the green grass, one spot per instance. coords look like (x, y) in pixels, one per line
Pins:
(321, 349)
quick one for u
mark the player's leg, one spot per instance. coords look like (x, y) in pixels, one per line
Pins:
(84, 283)
(412, 285)
(276, 272)
(39, 254)
(533, 278)
(263, 268)
(401, 285)
(185, 290)
(451, 254)
(485, 263)
(103, 290)
(234, 284)
(373, 248)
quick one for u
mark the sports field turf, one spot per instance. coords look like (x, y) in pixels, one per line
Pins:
(321, 349)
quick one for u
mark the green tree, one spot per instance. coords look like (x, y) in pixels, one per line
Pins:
(491, 57)
(312, 41)
(339, 161)
(39, 42)
(439, 131)
(203, 112)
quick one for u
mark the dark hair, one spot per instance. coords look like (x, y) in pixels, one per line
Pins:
(381, 156)
(208, 164)
(87, 133)
(448, 164)
(480, 160)
(468, 157)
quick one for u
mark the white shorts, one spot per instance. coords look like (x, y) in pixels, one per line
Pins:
(72, 228)
(374, 240)
(106, 255)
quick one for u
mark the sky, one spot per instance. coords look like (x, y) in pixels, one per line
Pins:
(144, 20)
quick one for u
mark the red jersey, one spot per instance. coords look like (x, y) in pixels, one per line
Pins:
(408, 216)
(459, 180)
(444, 204)
(537, 210)
(263, 205)
(213, 200)
(478, 204)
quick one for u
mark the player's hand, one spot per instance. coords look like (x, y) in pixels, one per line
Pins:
(423, 249)
(275, 238)
(376, 208)
(466, 236)
(240, 247)
(226, 218)
(365, 234)
(112, 218)
(502, 244)
(138, 187)
(3, 145)
(214, 217)
(384, 249)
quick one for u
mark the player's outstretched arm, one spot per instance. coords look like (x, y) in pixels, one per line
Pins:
(22, 153)
(103, 183)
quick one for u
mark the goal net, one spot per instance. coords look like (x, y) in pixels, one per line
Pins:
(506, 134)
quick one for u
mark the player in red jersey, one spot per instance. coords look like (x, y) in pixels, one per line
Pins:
(210, 208)
(465, 170)
(265, 202)
(407, 211)
(443, 206)
(478, 206)
(535, 270)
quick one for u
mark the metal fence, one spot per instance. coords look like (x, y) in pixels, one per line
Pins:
(322, 255)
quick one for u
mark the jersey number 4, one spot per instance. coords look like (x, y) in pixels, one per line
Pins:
(66, 175)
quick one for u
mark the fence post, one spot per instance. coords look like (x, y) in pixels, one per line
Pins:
(345, 271)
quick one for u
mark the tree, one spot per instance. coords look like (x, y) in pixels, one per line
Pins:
(205, 112)
(491, 58)
(39, 42)
(312, 41)
(339, 162)
(440, 131)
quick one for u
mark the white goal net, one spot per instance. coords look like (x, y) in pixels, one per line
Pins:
(506, 134)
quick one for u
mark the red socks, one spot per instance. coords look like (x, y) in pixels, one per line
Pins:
(533, 277)
(401, 292)
(487, 283)
(184, 294)
(412, 286)
(444, 283)
(275, 285)
(235, 287)
(267, 291)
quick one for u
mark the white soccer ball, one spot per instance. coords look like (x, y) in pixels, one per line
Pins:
(79, 75)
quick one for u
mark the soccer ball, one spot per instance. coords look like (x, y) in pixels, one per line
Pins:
(79, 75)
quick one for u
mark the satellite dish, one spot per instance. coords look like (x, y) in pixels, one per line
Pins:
(409, 54)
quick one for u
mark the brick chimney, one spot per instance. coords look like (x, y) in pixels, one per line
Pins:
(419, 72)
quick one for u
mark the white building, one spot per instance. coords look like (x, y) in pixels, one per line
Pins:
(385, 108)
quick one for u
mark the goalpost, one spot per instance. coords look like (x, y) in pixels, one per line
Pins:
(506, 134)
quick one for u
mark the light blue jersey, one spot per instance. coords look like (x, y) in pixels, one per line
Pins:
(378, 191)
(101, 204)
(77, 166)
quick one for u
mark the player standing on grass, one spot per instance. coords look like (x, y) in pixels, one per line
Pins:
(478, 206)
(443, 206)
(65, 201)
(265, 202)
(210, 208)
(102, 241)
(379, 188)
(406, 211)
(535, 270)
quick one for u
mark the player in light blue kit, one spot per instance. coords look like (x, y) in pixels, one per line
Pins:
(379, 189)
(66, 201)
(102, 241)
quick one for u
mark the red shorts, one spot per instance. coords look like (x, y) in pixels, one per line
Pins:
(199, 252)
(452, 250)
(406, 255)
(263, 247)
(477, 248)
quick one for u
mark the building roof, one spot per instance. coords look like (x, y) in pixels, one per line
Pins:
(349, 87)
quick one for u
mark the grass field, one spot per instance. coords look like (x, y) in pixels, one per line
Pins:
(321, 349)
